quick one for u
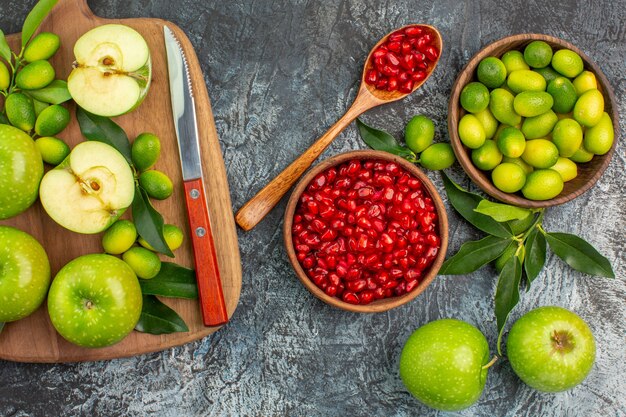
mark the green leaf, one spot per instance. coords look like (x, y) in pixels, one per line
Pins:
(502, 212)
(5, 50)
(54, 93)
(535, 255)
(383, 141)
(507, 293)
(579, 254)
(149, 222)
(157, 318)
(172, 281)
(104, 130)
(1, 326)
(473, 255)
(465, 202)
(35, 17)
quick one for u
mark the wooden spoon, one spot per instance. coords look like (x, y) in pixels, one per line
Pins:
(368, 97)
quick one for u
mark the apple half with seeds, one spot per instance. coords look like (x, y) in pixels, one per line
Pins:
(89, 190)
(112, 71)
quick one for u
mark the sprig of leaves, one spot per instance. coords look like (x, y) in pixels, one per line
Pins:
(521, 252)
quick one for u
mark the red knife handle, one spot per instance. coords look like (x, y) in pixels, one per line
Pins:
(207, 272)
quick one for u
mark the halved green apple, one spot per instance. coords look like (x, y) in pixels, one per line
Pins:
(89, 190)
(112, 71)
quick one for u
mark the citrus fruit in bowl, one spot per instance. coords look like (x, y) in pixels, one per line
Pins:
(539, 102)
(365, 231)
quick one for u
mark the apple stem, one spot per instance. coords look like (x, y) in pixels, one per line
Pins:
(491, 362)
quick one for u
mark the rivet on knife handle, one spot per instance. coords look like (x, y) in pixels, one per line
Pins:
(207, 272)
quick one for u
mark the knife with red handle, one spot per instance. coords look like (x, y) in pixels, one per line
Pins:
(210, 291)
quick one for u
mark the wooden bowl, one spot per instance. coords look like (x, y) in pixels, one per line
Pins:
(588, 173)
(382, 304)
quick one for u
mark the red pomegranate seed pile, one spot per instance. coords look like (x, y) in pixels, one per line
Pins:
(365, 230)
(404, 59)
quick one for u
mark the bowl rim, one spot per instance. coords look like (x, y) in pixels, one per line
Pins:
(480, 178)
(377, 305)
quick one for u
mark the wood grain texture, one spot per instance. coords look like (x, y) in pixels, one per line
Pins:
(368, 97)
(588, 173)
(378, 305)
(33, 339)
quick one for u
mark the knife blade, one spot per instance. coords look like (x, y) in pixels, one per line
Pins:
(208, 279)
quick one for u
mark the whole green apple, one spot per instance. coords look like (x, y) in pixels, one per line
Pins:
(444, 364)
(24, 274)
(21, 169)
(95, 300)
(551, 349)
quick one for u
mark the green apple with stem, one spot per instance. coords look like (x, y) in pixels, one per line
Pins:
(551, 349)
(444, 364)
(21, 169)
(95, 300)
(24, 274)
(90, 189)
(112, 71)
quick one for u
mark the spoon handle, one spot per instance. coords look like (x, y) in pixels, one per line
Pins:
(262, 203)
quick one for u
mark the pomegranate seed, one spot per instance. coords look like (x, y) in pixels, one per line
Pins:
(371, 283)
(400, 289)
(366, 297)
(379, 293)
(433, 240)
(390, 71)
(350, 297)
(392, 59)
(371, 76)
(331, 290)
(356, 286)
(382, 84)
(406, 87)
(413, 31)
(396, 37)
(412, 274)
(431, 53)
(379, 53)
(353, 274)
(392, 84)
(328, 235)
(394, 46)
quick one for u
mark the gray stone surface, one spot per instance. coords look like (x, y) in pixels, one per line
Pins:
(279, 73)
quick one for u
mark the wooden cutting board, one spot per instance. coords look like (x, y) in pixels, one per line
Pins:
(33, 339)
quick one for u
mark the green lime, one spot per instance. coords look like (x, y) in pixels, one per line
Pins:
(548, 73)
(511, 142)
(487, 157)
(35, 75)
(589, 108)
(599, 138)
(567, 136)
(542, 184)
(52, 120)
(120, 237)
(567, 62)
(53, 150)
(501, 106)
(539, 126)
(42, 46)
(173, 238)
(419, 133)
(520, 162)
(437, 156)
(474, 97)
(513, 60)
(540, 153)
(490, 123)
(582, 155)
(471, 132)
(538, 54)
(566, 168)
(532, 103)
(156, 183)
(585, 81)
(491, 72)
(145, 263)
(5, 76)
(508, 177)
(145, 151)
(525, 80)
(20, 111)
(564, 94)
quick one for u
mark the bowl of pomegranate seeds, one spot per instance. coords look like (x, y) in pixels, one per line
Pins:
(366, 231)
